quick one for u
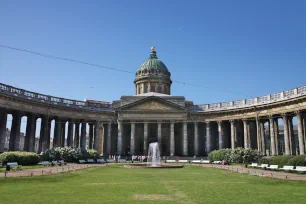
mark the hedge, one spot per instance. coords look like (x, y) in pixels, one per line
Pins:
(285, 160)
(22, 158)
(277, 160)
(238, 155)
(69, 154)
(298, 161)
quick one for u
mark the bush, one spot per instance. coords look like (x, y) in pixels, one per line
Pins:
(92, 154)
(22, 158)
(238, 155)
(284, 160)
(67, 154)
(298, 161)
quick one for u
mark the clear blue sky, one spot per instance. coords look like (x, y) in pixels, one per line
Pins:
(251, 48)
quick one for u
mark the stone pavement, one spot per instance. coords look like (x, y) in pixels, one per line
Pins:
(258, 172)
(48, 170)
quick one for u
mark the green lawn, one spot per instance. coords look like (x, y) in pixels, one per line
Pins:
(114, 184)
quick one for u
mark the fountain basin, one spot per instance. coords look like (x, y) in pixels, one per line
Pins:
(161, 166)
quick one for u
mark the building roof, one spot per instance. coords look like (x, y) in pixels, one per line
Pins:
(153, 64)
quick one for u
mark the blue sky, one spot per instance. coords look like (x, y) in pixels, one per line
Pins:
(249, 48)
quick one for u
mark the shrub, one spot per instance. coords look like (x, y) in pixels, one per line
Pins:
(238, 155)
(67, 154)
(298, 161)
(93, 154)
(22, 158)
(282, 160)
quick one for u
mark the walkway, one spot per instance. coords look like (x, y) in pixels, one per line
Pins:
(259, 172)
(48, 170)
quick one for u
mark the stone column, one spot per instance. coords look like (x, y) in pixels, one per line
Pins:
(57, 133)
(208, 137)
(291, 136)
(185, 139)
(220, 134)
(49, 133)
(29, 142)
(76, 142)
(132, 145)
(276, 135)
(272, 136)
(145, 138)
(70, 134)
(259, 146)
(304, 130)
(3, 121)
(119, 138)
(196, 139)
(99, 137)
(245, 134)
(15, 132)
(233, 134)
(262, 135)
(90, 135)
(97, 132)
(109, 138)
(300, 133)
(83, 136)
(159, 136)
(286, 135)
(63, 133)
(44, 130)
(172, 143)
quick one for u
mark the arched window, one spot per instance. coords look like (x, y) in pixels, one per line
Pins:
(159, 89)
(146, 89)
(139, 90)
(165, 90)
(152, 88)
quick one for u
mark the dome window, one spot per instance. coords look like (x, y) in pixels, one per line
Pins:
(146, 89)
(152, 88)
(159, 89)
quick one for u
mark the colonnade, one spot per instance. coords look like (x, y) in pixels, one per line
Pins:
(59, 139)
(186, 138)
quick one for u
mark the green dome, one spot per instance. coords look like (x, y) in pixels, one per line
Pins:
(153, 64)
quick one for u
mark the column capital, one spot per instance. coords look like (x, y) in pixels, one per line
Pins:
(219, 122)
(207, 122)
(298, 112)
(232, 121)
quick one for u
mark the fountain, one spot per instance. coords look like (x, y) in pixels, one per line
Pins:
(153, 155)
(153, 159)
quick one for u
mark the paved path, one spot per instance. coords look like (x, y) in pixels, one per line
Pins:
(259, 172)
(48, 170)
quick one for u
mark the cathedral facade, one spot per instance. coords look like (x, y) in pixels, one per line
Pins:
(152, 114)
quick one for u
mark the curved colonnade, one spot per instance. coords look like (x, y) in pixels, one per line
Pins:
(250, 123)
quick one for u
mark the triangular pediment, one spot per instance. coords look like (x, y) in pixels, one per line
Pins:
(152, 104)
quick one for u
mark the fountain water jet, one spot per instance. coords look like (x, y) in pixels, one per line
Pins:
(153, 155)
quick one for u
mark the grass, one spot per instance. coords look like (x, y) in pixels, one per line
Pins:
(114, 184)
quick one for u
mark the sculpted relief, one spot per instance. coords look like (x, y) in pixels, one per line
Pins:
(152, 105)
